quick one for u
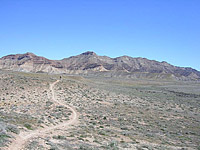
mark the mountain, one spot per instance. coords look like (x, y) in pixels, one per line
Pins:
(29, 62)
(89, 63)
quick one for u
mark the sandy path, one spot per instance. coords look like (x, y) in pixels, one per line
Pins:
(24, 137)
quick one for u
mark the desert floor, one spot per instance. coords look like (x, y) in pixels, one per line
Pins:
(41, 111)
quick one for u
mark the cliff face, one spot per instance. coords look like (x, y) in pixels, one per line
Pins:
(92, 64)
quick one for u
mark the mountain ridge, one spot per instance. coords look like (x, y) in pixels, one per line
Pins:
(89, 63)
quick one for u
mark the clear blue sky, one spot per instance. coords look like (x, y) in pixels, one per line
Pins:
(163, 30)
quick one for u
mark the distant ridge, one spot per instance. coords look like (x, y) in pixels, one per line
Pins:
(89, 63)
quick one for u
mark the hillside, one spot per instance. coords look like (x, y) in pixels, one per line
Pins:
(89, 63)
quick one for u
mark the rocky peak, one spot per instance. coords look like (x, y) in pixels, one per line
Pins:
(19, 56)
(26, 55)
(29, 54)
(89, 53)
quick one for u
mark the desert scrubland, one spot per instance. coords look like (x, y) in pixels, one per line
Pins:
(41, 111)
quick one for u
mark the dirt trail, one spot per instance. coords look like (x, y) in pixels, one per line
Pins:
(23, 137)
